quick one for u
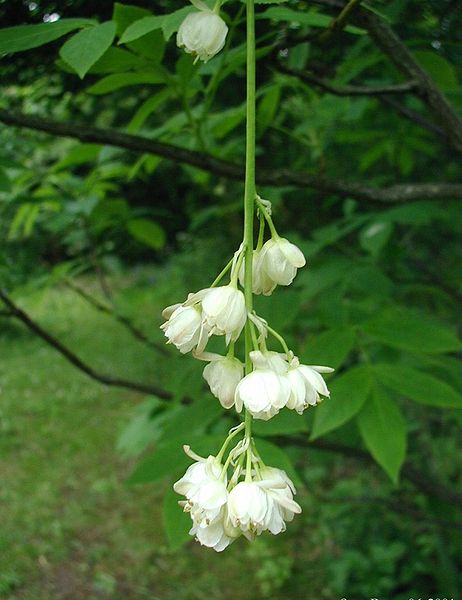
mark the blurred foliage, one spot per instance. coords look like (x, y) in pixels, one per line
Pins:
(380, 299)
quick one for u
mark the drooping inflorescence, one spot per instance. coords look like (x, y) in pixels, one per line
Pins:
(235, 493)
(240, 495)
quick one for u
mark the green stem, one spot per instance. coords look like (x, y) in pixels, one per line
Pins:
(280, 339)
(268, 219)
(261, 232)
(249, 189)
(237, 430)
(220, 276)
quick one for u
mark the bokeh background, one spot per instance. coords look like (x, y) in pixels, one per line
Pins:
(95, 239)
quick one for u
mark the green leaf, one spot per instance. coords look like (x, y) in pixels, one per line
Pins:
(274, 456)
(418, 386)
(286, 422)
(173, 21)
(148, 107)
(5, 183)
(282, 309)
(144, 428)
(383, 430)
(117, 81)
(439, 69)
(125, 14)
(314, 19)
(267, 108)
(83, 49)
(141, 27)
(192, 419)
(117, 60)
(24, 37)
(374, 236)
(347, 396)
(147, 232)
(330, 348)
(79, 155)
(402, 328)
(413, 213)
(177, 523)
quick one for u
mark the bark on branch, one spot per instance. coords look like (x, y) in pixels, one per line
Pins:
(75, 360)
(223, 168)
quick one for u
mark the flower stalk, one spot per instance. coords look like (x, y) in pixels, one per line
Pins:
(249, 198)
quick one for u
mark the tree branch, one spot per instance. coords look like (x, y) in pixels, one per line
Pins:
(390, 44)
(276, 177)
(125, 321)
(386, 39)
(349, 90)
(75, 360)
(384, 93)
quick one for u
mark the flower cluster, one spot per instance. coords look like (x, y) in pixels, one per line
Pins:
(239, 495)
(223, 509)
(255, 498)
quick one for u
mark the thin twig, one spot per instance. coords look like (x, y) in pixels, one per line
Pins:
(349, 90)
(338, 22)
(412, 115)
(125, 321)
(75, 360)
(427, 483)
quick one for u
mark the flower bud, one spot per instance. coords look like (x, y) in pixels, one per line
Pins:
(261, 283)
(202, 33)
(183, 328)
(223, 375)
(280, 260)
(224, 311)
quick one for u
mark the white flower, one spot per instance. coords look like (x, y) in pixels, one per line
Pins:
(307, 385)
(276, 361)
(205, 490)
(183, 327)
(264, 391)
(213, 535)
(224, 311)
(223, 375)
(202, 33)
(279, 260)
(280, 491)
(248, 506)
(261, 282)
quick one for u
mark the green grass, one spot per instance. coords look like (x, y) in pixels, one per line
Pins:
(71, 527)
